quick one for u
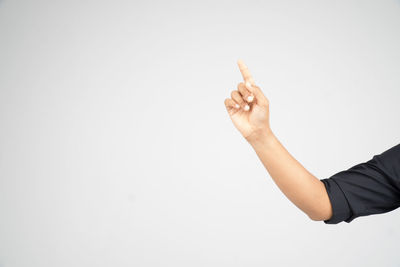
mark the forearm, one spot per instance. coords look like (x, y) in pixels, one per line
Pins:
(302, 188)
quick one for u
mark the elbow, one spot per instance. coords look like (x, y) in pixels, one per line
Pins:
(321, 209)
(313, 217)
(317, 217)
(322, 215)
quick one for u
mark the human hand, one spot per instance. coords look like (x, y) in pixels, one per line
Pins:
(248, 107)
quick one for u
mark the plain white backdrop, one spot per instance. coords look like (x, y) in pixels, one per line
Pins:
(116, 148)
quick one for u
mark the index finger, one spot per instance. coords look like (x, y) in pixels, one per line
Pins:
(245, 72)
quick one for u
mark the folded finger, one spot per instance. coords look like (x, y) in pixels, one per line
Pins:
(231, 105)
(246, 94)
(237, 97)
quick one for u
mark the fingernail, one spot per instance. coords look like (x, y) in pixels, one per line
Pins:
(248, 85)
(237, 106)
(247, 107)
(250, 98)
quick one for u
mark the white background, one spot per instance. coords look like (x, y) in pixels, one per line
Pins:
(116, 148)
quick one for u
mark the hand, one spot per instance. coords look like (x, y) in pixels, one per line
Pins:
(248, 108)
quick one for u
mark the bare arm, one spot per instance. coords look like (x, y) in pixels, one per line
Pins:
(302, 188)
(249, 111)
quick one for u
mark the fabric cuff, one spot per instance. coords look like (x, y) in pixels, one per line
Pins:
(340, 206)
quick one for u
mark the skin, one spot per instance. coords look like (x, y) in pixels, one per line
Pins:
(248, 109)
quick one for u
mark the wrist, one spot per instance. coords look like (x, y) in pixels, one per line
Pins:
(261, 137)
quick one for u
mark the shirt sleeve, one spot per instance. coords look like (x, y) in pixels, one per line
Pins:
(371, 187)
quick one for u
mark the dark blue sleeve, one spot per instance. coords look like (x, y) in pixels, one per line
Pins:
(367, 188)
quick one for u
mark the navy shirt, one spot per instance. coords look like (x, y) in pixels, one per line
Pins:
(367, 188)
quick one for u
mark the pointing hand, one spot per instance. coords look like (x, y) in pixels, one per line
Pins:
(248, 108)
